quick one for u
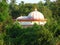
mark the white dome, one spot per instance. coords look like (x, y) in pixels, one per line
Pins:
(36, 15)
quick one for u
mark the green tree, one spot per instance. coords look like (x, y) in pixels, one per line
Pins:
(13, 9)
(4, 14)
(21, 8)
(3, 11)
(5, 19)
(47, 3)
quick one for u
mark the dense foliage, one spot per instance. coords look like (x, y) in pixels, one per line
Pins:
(14, 34)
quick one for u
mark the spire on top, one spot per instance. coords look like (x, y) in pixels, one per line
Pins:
(35, 9)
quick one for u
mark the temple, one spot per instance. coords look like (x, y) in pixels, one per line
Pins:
(33, 17)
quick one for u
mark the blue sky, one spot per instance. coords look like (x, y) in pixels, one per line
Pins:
(30, 1)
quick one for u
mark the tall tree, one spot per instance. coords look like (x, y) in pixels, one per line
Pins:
(4, 14)
(3, 11)
(58, 7)
(12, 8)
(21, 8)
(13, 1)
(47, 3)
(4, 19)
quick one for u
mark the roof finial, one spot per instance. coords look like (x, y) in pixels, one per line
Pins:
(35, 9)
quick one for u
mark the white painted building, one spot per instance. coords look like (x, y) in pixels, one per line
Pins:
(33, 17)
